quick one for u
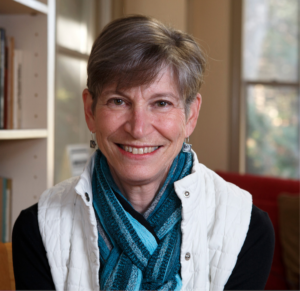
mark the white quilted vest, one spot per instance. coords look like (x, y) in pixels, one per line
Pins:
(215, 221)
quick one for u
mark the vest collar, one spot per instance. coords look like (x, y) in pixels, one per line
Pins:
(188, 188)
(84, 186)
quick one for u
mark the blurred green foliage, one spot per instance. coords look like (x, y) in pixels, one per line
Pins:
(271, 53)
(272, 143)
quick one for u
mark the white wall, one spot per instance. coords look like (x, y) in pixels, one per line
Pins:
(173, 12)
(209, 22)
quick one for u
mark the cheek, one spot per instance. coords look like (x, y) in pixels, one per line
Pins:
(172, 125)
(107, 121)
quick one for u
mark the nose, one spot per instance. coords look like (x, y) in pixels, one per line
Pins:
(138, 124)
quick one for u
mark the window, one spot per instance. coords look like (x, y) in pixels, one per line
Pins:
(270, 87)
(75, 34)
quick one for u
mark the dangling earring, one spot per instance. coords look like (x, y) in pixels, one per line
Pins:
(187, 148)
(92, 141)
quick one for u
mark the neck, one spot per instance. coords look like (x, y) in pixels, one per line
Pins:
(139, 195)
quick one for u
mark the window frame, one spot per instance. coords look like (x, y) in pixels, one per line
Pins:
(237, 140)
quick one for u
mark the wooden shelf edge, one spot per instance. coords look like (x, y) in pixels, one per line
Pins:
(34, 4)
(23, 134)
(22, 7)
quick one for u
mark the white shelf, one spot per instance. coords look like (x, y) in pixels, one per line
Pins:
(22, 7)
(23, 134)
(26, 155)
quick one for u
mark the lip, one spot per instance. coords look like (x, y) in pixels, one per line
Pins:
(137, 157)
(138, 146)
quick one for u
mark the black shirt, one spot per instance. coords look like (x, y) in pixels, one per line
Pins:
(32, 270)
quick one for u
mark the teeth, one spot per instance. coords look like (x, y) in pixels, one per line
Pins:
(139, 151)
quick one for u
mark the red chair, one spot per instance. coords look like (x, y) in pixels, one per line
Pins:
(265, 191)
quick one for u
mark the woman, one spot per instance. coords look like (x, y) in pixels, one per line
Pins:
(145, 214)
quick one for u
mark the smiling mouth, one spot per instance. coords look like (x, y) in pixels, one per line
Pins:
(138, 151)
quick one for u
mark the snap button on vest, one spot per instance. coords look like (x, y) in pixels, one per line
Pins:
(187, 256)
(87, 197)
(187, 194)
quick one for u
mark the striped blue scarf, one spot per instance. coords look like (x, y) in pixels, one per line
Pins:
(139, 252)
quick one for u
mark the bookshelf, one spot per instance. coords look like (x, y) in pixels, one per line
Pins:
(23, 134)
(26, 154)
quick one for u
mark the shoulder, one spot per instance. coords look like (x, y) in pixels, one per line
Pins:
(55, 215)
(228, 208)
(227, 205)
(56, 203)
(260, 240)
(58, 195)
(261, 229)
(26, 223)
(260, 234)
(214, 182)
(26, 234)
(223, 190)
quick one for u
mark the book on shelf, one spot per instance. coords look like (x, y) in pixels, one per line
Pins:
(2, 72)
(10, 81)
(11, 63)
(5, 209)
(5, 88)
(17, 97)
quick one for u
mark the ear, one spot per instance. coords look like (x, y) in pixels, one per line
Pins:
(89, 116)
(193, 115)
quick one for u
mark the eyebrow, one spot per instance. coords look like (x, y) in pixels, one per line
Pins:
(155, 95)
(165, 94)
(108, 92)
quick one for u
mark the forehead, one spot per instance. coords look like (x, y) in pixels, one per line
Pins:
(165, 82)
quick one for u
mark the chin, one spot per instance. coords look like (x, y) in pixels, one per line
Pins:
(138, 174)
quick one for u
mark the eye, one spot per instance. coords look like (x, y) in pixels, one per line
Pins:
(162, 103)
(118, 101)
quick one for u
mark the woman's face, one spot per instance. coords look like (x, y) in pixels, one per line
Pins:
(141, 130)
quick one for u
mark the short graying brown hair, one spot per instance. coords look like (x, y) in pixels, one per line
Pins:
(131, 52)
